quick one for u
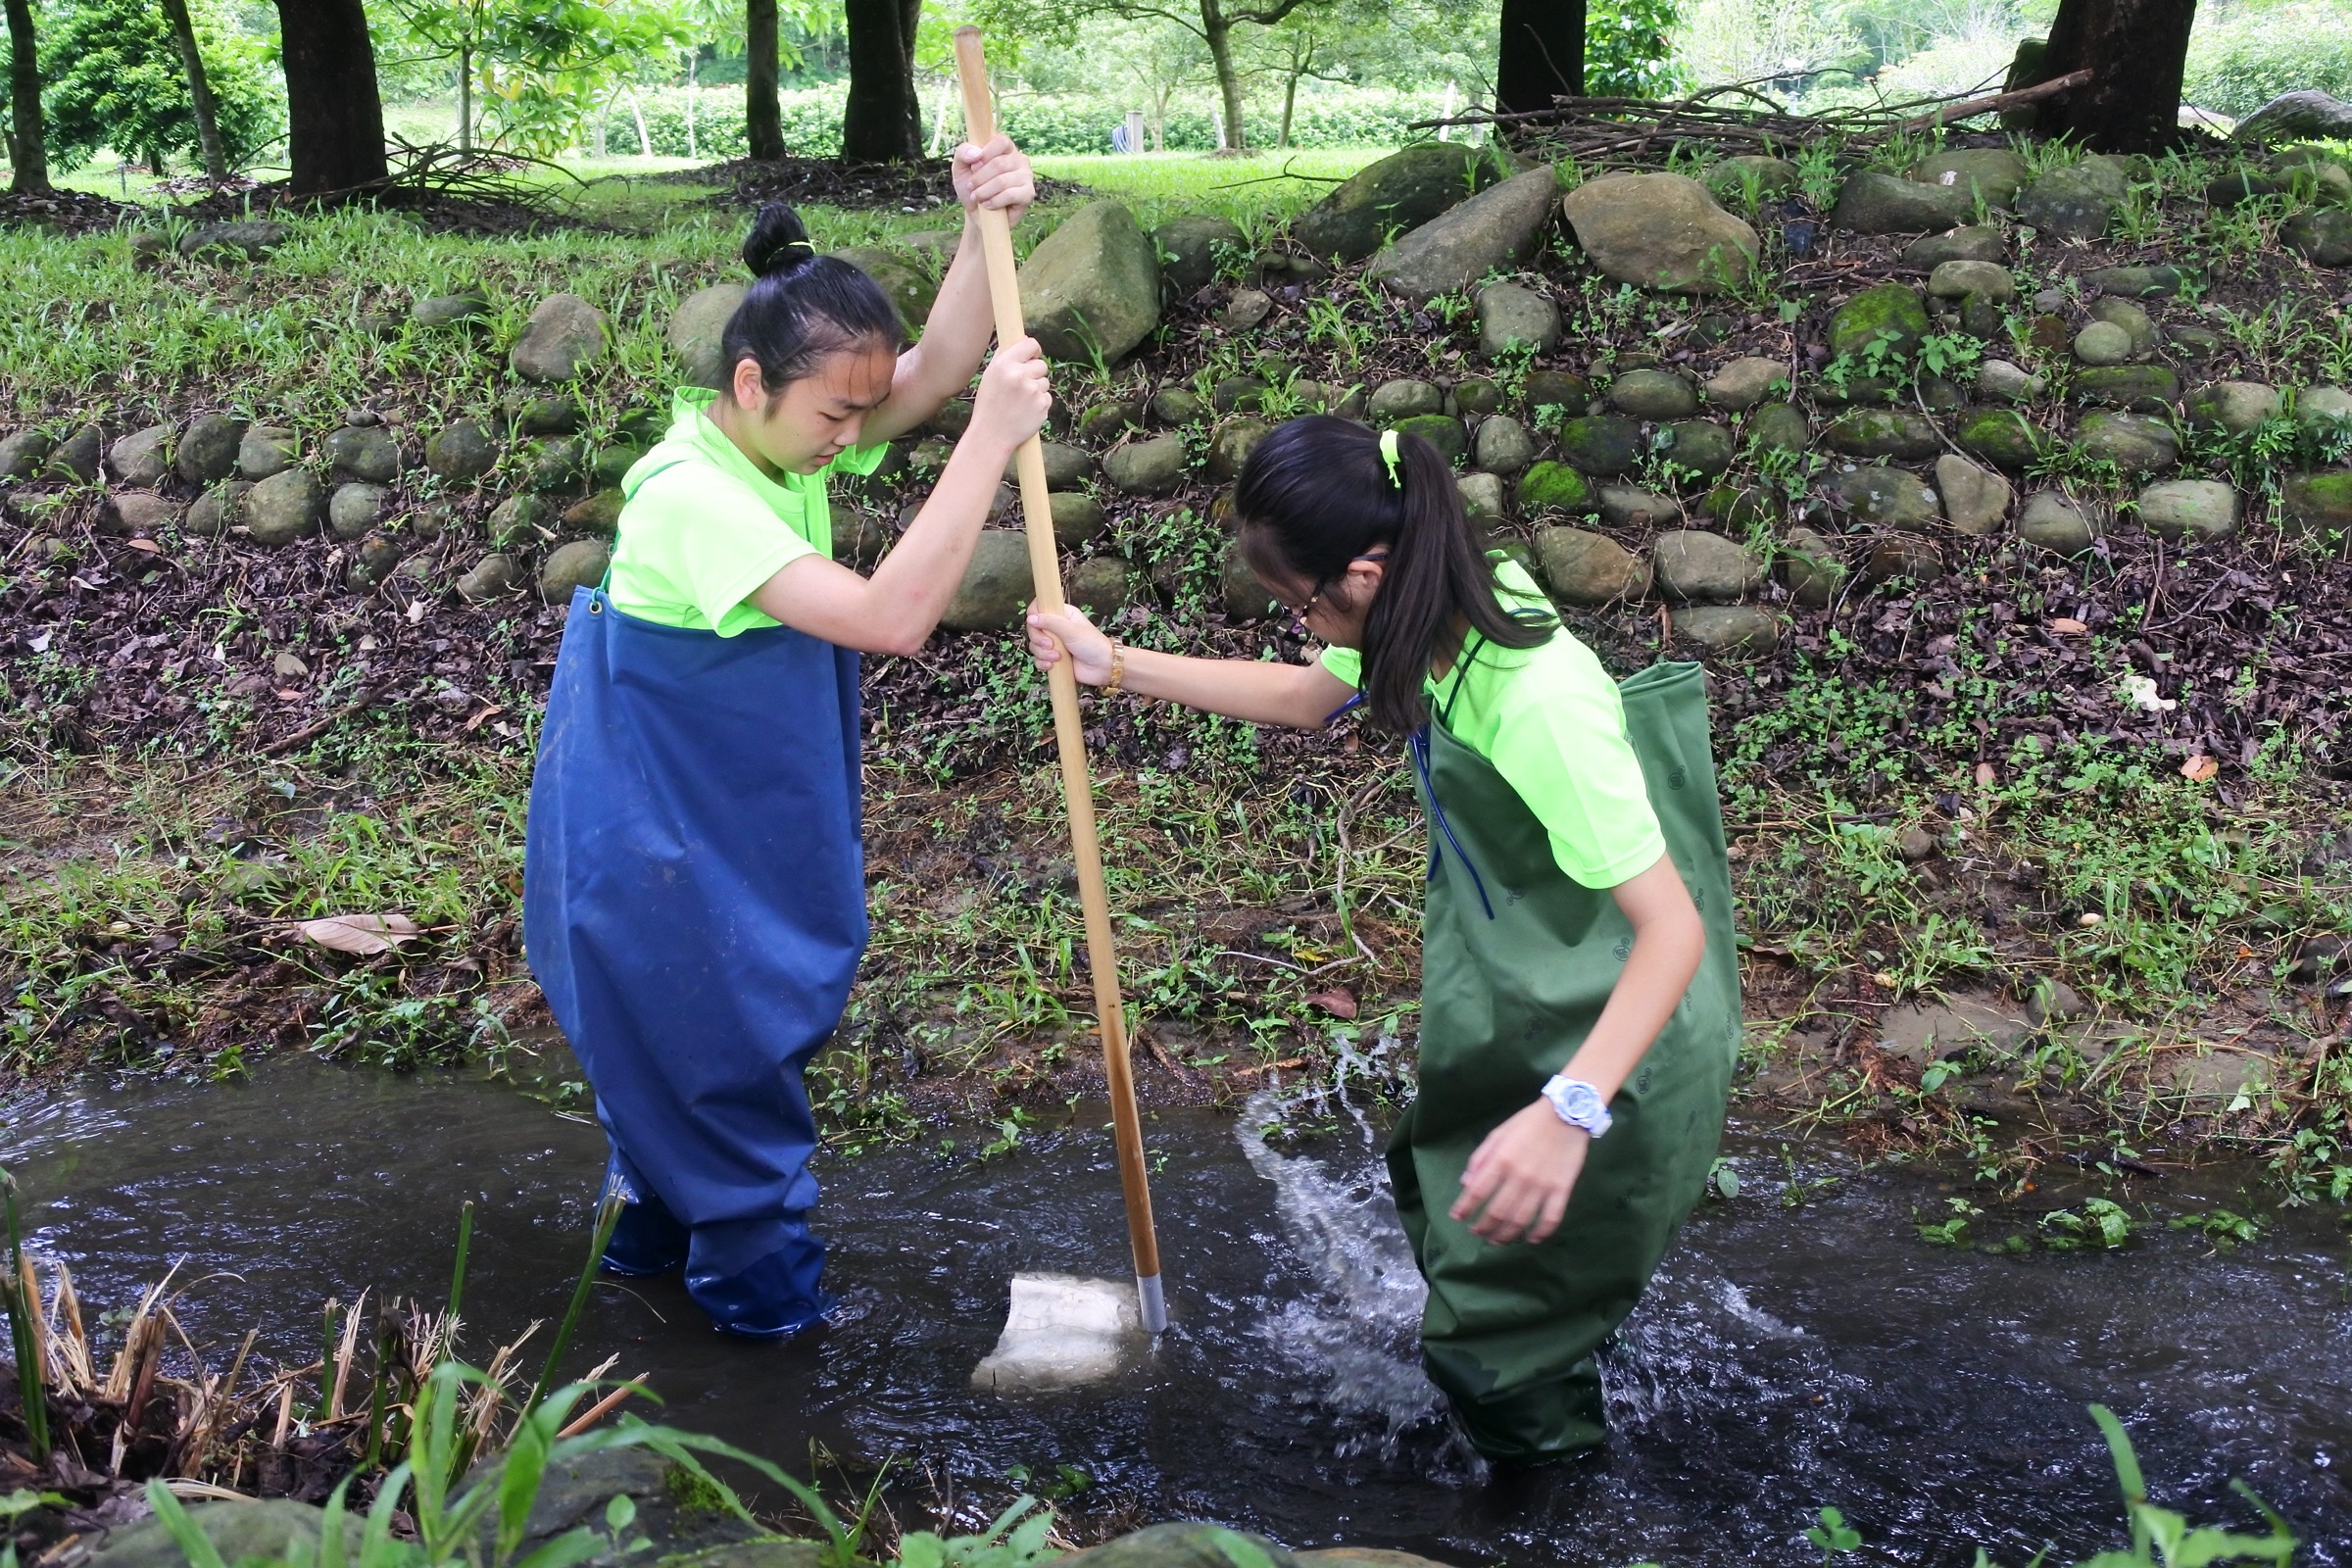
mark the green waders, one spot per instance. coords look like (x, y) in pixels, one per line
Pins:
(1517, 960)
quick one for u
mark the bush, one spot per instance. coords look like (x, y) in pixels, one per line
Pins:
(113, 77)
(1044, 125)
(2239, 64)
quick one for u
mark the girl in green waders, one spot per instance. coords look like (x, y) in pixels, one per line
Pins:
(694, 894)
(1579, 1001)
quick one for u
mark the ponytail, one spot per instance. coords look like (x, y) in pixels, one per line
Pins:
(800, 306)
(1317, 494)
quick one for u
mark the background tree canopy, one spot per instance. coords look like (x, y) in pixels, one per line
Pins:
(675, 78)
(113, 77)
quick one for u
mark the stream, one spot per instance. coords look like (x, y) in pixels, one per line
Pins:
(1791, 1355)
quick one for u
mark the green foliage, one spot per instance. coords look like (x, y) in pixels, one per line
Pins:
(2161, 1536)
(1629, 48)
(2246, 58)
(1045, 126)
(1010, 1542)
(1833, 1534)
(112, 77)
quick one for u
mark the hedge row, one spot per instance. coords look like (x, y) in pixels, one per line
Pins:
(1041, 125)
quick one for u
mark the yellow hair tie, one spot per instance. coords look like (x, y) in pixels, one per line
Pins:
(1388, 458)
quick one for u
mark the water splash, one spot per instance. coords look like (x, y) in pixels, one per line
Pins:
(1361, 1338)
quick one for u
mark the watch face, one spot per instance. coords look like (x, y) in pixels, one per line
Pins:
(1580, 1102)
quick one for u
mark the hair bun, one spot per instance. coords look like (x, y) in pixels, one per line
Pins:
(778, 242)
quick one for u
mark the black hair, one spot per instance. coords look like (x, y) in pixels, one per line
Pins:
(1315, 495)
(800, 306)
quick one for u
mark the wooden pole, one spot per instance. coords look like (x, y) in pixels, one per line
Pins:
(1069, 738)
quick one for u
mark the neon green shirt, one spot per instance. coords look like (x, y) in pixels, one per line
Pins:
(702, 527)
(1549, 720)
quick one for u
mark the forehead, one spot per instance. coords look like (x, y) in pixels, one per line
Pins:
(854, 376)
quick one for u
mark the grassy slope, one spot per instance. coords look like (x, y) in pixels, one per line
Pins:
(972, 973)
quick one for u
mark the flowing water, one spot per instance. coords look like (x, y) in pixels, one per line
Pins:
(1788, 1356)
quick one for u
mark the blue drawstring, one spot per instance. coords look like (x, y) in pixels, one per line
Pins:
(1420, 751)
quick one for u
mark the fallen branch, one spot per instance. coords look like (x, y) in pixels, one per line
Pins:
(1999, 102)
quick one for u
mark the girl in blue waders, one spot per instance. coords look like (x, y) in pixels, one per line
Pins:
(1579, 1001)
(694, 894)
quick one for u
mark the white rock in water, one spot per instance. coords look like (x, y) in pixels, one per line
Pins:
(1063, 1330)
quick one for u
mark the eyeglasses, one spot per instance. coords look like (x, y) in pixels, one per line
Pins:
(1299, 613)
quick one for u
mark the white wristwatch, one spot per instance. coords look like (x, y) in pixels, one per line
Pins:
(1579, 1104)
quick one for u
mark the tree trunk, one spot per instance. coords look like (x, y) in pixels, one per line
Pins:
(763, 114)
(2140, 52)
(466, 97)
(200, 91)
(1217, 33)
(1543, 54)
(882, 122)
(335, 118)
(694, 63)
(29, 146)
(1289, 101)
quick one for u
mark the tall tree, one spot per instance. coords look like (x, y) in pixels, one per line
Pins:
(1542, 56)
(883, 121)
(200, 91)
(28, 139)
(763, 114)
(2137, 51)
(336, 117)
(1213, 21)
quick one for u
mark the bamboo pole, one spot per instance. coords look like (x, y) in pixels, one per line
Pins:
(1069, 737)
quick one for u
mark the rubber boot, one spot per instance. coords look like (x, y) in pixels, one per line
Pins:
(780, 1294)
(647, 1240)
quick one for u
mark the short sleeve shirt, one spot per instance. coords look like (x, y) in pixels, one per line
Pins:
(702, 527)
(1549, 720)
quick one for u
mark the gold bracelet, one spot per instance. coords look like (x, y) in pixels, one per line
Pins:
(1118, 670)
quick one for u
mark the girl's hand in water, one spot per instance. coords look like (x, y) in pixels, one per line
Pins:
(1014, 397)
(1516, 1185)
(995, 175)
(1090, 650)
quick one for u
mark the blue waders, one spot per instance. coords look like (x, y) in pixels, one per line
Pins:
(694, 908)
